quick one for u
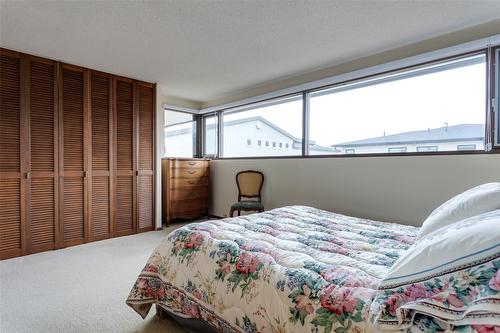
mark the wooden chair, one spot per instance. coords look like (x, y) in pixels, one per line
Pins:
(249, 186)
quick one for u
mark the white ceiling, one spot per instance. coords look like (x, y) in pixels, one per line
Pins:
(204, 50)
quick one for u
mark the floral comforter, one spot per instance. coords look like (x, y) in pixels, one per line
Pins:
(292, 269)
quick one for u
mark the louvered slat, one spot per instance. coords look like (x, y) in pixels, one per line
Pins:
(73, 120)
(124, 125)
(42, 226)
(100, 207)
(10, 217)
(145, 128)
(42, 208)
(124, 205)
(100, 122)
(145, 200)
(10, 113)
(73, 198)
(42, 116)
(145, 158)
(73, 209)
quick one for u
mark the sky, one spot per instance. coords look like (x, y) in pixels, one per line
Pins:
(455, 96)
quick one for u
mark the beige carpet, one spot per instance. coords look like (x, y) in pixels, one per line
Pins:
(79, 289)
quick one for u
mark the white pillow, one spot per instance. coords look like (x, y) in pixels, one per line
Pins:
(477, 200)
(449, 274)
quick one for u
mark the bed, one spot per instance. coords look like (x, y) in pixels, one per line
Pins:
(301, 269)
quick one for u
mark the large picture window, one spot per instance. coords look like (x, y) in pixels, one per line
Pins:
(277, 121)
(440, 106)
(436, 107)
(180, 134)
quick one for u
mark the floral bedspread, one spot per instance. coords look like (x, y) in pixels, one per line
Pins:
(293, 269)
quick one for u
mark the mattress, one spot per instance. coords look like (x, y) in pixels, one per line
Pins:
(293, 269)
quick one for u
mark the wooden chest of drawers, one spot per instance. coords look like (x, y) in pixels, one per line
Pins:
(185, 188)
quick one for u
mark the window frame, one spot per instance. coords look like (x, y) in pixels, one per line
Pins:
(196, 133)
(203, 152)
(492, 117)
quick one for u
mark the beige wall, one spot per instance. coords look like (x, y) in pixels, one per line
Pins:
(396, 189)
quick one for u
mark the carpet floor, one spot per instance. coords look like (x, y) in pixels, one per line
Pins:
(79, 289)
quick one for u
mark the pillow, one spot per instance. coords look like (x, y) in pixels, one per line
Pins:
(450, 275)
(477, 200)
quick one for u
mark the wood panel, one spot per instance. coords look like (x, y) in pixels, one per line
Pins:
(12, 216)
(73, 159)
(145, 178)
(10, 113)
(124, 125)
(100, 183)
(100, 215)
(125, 184)
(42, 183)
(145, 202)
(124, 209)
(73, 211)
(100, 106)
(42, 226)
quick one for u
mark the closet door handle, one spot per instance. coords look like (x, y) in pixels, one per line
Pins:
(28, 175)
(85, 174)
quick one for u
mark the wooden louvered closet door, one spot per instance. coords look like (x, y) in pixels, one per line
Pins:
(72, 162)
(12, 160)
(145, 152)
(42, 228)
(100, 185)
(125, 185)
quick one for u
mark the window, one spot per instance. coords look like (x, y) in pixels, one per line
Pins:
(287, 145)
(397, 150)
(278, 119)
(466, 147)
(350, 151)
(435, 104)
(259, 143)
(180, 134)
(249, 142)
(427, 148)
(210, 123)
(267, 143)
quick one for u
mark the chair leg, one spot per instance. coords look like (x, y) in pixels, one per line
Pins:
(231, 213)
(239, 212)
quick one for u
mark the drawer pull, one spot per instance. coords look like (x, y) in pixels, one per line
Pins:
(191, 163)
(191, 172)
(191, 182)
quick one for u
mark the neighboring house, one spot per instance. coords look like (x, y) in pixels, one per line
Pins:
(254, 136)
(447, 138)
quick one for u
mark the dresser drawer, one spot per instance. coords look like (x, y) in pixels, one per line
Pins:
(189, 164)
(187, 193)
(176, 183)
(189, 172)
(178, 207)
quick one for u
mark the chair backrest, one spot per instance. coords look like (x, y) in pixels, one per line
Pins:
(249, 184)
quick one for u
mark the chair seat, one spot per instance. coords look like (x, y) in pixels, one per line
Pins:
(248, 205)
